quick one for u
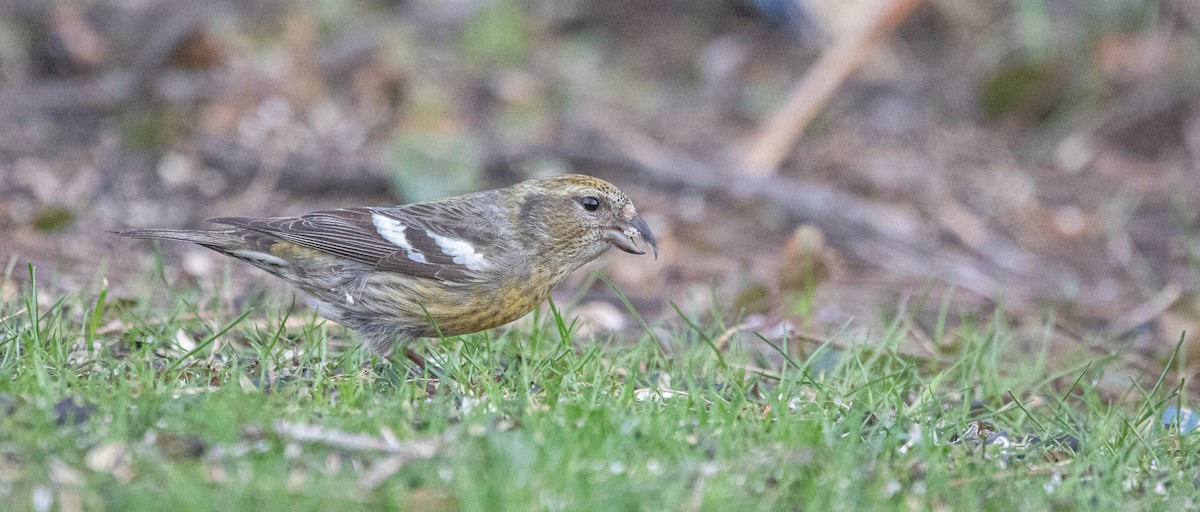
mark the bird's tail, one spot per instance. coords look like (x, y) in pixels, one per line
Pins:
(213, 238)
(244, 245)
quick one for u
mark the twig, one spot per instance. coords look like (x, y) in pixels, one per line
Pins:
(309, 433)
(384, 469)
(773, 139)
(1147, 311)
(401, 452)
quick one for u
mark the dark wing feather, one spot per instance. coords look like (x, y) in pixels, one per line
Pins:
(351, 234)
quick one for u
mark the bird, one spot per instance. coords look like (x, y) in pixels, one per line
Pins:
(449, 267)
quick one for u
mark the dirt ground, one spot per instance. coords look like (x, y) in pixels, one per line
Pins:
(1040, 161)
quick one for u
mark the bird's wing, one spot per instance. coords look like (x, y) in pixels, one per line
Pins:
(416, 240)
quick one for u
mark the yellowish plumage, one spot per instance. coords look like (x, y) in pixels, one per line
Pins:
(449, 267)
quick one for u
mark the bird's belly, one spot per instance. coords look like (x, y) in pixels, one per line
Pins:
(481, 311)
(439, 310)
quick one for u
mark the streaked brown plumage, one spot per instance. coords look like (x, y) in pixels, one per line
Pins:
(454, 266)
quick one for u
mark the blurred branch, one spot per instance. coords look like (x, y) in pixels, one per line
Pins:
(883, 236)
(181, 20)
(297, 176)
(150, 79)
(166, 28)
(769, 145)
(1146, 312)
(113, 89)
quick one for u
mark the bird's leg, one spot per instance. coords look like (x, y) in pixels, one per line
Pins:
(421, 368)
(416, 359)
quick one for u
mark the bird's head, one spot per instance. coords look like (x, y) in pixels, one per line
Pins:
(576, 218)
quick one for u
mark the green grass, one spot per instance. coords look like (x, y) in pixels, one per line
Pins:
(192, 405)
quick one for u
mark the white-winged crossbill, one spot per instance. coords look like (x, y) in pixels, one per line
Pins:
(449, 267)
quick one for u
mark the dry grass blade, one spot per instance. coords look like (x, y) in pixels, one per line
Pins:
(17, 313)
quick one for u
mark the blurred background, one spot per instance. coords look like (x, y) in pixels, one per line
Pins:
(806, 164)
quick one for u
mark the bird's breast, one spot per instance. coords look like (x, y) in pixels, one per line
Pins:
(477, 308)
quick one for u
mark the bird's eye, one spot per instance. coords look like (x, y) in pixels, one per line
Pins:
(590, 203)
